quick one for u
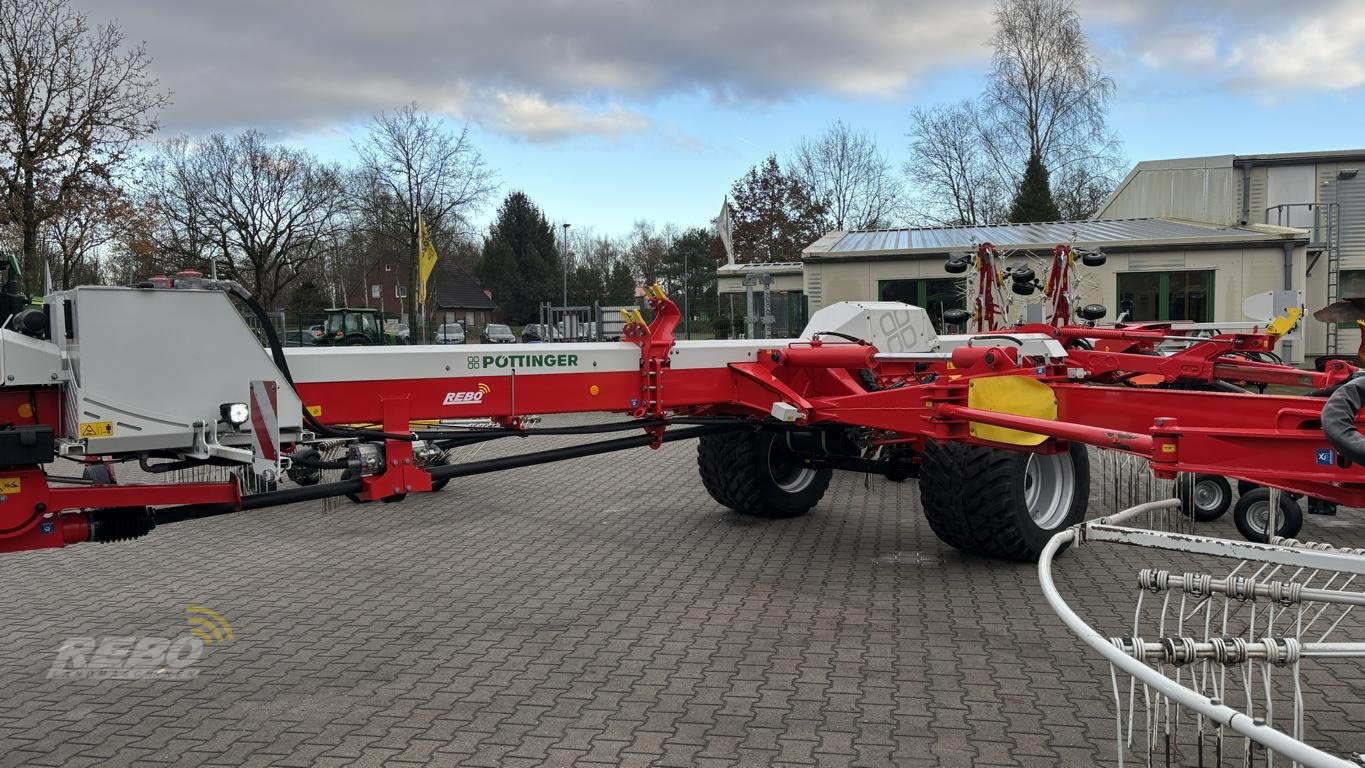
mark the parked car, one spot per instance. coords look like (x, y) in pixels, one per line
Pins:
(578, 331)
(403, 333)
(299, 338)
(449, 333)
(495, 333)
(315, 330)
(539, 332)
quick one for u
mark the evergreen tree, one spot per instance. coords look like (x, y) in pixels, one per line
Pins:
(620, 288)
(691, 252)
(520, 261)
(1033, 201)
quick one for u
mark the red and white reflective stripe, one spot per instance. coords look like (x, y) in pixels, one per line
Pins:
(265, 423)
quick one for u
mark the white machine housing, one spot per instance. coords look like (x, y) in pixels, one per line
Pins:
(149, 368)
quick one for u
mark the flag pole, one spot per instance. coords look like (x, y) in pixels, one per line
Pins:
(421, 297)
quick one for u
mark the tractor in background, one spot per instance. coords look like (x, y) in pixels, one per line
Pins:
(355, 327)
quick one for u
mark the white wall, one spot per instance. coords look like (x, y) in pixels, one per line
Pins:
(1238, 273)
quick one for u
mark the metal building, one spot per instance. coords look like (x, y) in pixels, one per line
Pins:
(1167, 269)
(1321, 193)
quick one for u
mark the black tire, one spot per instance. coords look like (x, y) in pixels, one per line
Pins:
(752, 473)
(351, 474)
(977, 499)
(98, 473)
(439, 485)
(1208, 497)
(1250, 514)
(1246, 486)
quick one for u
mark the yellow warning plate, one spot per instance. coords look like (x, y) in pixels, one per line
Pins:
(315, 411)
(1015, 395)
(97, 429)
(9, 485)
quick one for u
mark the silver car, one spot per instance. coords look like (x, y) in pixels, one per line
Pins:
(450, 333)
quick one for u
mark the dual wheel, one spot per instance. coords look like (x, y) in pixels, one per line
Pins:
(757, 474)
(1209, 497)
(1002, 504)
(995, 503)
(436, 485)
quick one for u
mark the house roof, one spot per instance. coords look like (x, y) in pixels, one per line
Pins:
(1041, 235)
(772, 267)
(1231, 162)
(454, 288)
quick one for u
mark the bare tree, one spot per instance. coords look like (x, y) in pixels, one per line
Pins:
(952, 169)
(72, 102)
(775, 217)
(411, 162)
(85, 226)
(647, 251)
(1081, 189)
(845, 171)
(263, 211)
(1046, 95)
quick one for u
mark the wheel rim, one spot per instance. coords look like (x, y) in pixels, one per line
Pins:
(1208, 496)
(787, 472)
(1049, 489)
(1258, 517)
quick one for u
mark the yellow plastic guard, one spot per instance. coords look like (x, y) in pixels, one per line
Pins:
(1016, 395)
(1282, 325)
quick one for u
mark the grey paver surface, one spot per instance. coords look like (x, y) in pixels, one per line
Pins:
(598, 612)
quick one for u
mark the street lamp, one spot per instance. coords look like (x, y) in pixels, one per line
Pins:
(565, 257)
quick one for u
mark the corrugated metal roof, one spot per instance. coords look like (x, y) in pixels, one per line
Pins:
(1038, 235)
(761, 266)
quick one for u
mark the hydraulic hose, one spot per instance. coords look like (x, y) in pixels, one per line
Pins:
(167, 515)
(277, 352)
(572, 452)
(1339, 419)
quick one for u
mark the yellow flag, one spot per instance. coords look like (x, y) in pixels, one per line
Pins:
(426, 253)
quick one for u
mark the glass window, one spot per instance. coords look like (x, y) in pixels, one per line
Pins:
(1167, 296)
(934, 294)
(1352, 284)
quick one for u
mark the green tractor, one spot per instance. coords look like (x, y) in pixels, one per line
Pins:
(354, 327)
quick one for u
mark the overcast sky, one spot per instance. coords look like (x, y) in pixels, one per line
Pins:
(607, 112)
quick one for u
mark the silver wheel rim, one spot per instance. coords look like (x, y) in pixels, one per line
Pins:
(1258, 517)
(1208, 495)
(1049, 489)
(786, 472)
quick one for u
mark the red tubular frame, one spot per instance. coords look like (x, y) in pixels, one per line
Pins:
(1270, 439)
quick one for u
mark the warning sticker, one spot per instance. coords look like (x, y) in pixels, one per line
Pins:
(314, 411)
(9, 485)
(97, 429)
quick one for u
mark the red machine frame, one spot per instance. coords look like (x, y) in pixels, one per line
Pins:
(1269, 439)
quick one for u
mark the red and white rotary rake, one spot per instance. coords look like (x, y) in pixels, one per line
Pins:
(994, 423)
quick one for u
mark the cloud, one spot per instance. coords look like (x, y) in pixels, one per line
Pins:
(540, 69)
(532, 117)
(1267, 46)
(547, 70)
(1327, 52)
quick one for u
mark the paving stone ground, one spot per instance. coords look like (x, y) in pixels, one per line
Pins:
(600, 612)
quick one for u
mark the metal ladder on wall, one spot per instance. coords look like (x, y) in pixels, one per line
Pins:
(1325, 241)
(1325, 232)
